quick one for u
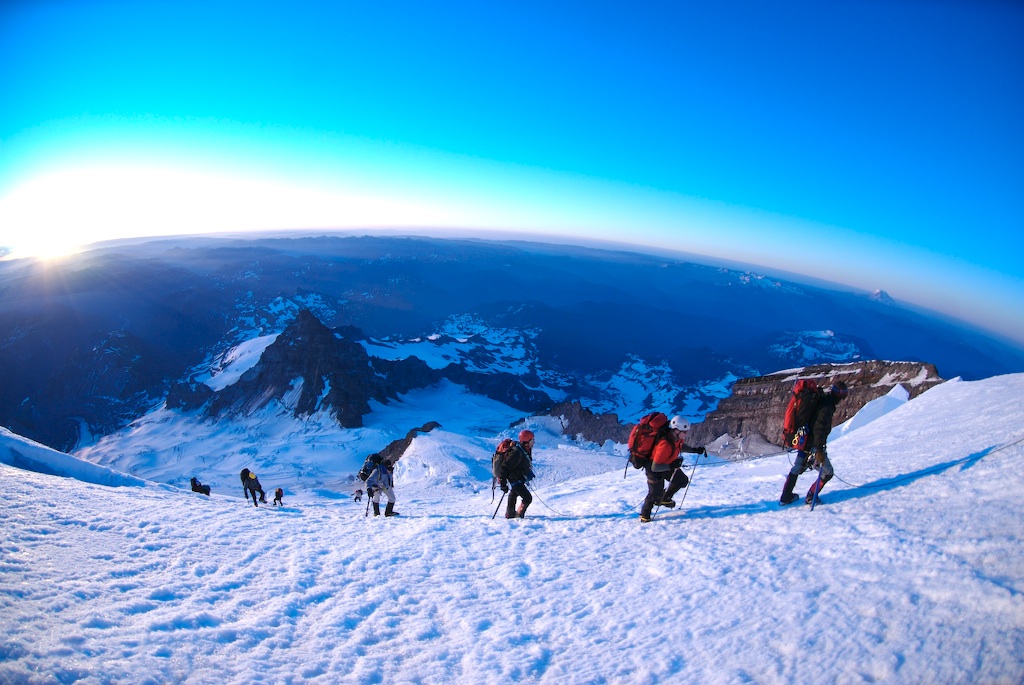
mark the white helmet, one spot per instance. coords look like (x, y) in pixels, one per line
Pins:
(679, 423)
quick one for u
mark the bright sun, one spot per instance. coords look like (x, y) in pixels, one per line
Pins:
(55, 214)
(54, 246)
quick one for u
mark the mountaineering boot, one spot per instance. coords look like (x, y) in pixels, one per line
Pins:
(521, 511)
(787, 491)
(376, 509)
(644, 518)
(389, 510)
(816, 489)
(675, 486)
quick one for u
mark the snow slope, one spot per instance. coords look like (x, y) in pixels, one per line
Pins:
(910, 570)
(871, 411)
(28, 454)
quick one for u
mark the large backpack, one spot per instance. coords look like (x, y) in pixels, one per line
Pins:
(644, 435)
(803, 402)
(502, 453)
(372, 462)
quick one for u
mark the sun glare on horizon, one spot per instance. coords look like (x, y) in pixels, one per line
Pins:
(49, 250)
(58, 213)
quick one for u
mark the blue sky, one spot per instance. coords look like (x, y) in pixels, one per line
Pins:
(875, 144)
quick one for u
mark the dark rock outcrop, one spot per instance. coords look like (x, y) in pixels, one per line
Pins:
(396, 448)
(188, 396)
(757, 405)
(578, 422)
(503, 387)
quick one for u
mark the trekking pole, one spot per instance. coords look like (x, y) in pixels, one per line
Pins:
(499, 506)
(367, 514)
(692, 471)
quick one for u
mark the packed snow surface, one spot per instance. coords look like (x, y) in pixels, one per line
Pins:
(910, 570)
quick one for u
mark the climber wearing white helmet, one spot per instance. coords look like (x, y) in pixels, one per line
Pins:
(666, 466)
(679, 423)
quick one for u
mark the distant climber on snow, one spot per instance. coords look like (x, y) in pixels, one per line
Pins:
(251, 484)
(807, 425)
(279, 497)
(199, 487)
(512, 467)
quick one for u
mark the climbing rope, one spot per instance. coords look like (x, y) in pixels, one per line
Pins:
(537, 497)
(936, 469)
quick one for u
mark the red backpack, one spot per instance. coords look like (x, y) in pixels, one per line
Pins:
(643, 437)
(799, 412)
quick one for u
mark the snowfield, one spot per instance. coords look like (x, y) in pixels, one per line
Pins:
(910, 570)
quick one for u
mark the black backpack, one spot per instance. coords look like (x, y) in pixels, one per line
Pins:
(512, 460)
(372, 462)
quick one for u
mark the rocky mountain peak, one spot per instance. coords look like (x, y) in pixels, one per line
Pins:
(882, 296)
(314, 368)
(310, 368)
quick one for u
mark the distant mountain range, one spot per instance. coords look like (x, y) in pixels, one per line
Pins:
(91, 343)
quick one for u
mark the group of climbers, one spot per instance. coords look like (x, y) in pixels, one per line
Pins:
(250, 486)
(655, 444)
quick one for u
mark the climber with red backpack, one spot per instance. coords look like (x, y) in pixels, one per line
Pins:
(655, 444)
(806, 426)
(512, 466)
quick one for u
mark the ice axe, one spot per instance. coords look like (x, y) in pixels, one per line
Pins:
(499, 505)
